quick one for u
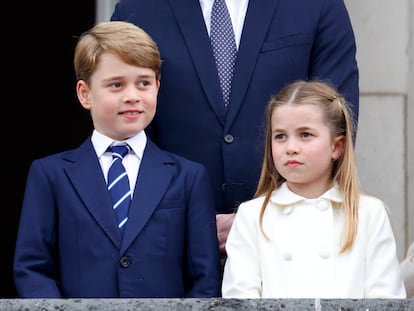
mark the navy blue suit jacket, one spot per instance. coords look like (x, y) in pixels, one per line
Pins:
(282, 41)
(69, 244)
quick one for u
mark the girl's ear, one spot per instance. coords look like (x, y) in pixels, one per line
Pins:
(338, 147)
(83, 92)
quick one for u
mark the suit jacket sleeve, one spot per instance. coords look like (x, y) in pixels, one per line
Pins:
(334, 51)
(35, 270)
(203, 262)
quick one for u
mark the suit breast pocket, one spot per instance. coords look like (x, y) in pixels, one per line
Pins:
(285, 58)
(288, 42)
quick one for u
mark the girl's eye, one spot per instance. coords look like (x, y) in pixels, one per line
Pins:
(280, 136)
(306, 134)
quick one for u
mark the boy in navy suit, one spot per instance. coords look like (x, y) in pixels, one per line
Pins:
(69, 243)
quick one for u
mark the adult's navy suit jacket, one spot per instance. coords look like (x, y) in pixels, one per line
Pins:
(69, 244)
(282, 41)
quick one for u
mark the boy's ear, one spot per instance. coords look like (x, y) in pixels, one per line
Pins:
(83, 92)
(338, 147)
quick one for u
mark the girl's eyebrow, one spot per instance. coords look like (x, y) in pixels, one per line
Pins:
(302, 128)
(305, 128)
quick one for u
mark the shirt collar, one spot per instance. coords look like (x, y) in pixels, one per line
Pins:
(284, 196)
(101, 143)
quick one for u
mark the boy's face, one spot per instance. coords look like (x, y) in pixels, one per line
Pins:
(122, 98)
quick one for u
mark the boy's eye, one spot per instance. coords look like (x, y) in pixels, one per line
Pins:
(144, 83)
(115, 84)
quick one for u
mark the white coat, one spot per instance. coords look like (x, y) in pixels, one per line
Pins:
(407, 268)
(301, 259)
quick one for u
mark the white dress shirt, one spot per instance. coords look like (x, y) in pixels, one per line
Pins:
(237, 10)
(301, 259)
(131, 161)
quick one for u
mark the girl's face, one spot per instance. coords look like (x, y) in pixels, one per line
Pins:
(302, 148)
(122, 98)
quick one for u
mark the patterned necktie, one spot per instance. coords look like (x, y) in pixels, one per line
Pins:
(118, 185)
(224, 46)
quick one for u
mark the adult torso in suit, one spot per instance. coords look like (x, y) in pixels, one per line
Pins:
(282, 41)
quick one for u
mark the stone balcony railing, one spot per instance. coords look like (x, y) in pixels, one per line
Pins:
(216, 304)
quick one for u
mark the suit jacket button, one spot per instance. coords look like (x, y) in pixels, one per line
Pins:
(125, 262)
(228, 138)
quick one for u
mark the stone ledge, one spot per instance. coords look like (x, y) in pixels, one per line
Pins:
(216, 304)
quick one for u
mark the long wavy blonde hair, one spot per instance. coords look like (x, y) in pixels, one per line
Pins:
(338, 117)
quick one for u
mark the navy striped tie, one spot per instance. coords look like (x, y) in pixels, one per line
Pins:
(118, 185)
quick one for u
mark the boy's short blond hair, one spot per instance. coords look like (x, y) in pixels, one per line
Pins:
(131, 43)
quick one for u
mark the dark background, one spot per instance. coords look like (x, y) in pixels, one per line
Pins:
(40, 113)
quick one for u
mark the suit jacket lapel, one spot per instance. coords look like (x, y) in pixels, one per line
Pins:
(154, 177)
(256, 24)
(91, 186)
(196, 36)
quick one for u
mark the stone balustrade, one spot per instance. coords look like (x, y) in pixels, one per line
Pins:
(216, 304)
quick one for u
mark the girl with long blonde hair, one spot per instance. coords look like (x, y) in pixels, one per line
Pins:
(310, 232)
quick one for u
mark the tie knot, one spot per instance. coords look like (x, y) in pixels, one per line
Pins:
(119, 151)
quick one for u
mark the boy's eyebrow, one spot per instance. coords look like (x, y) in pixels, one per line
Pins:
(142, 76)
(147, 76)
(112, 78)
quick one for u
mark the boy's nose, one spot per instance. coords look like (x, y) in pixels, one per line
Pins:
(131, 94)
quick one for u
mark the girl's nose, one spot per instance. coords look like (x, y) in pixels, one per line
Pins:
(292, 146)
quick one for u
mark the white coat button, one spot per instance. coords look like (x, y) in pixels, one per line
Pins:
(287, 210)
(323, 206)
(287, 256)
(324, 254)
